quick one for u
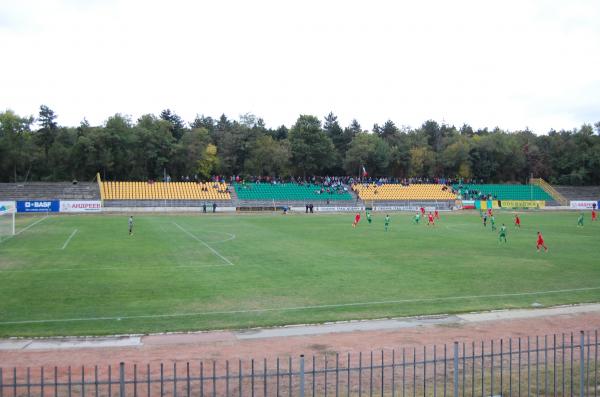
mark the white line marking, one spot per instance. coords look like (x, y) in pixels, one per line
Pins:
(206, 245)
(69, 239)
(231, 237)
(281, 309)
(26, 228)
(91, 269)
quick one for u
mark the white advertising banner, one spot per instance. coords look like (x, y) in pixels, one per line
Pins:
(582, 205)
(339, 209)
(80, 206)
(7, 206)
(394, 208)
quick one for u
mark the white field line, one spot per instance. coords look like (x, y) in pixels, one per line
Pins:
(231, 237)
(24, 229)
(294, 308)
(69, 239)
(92, 269)
(206, 245)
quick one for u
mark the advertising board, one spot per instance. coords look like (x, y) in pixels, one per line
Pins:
(38, 206)
(80, 206)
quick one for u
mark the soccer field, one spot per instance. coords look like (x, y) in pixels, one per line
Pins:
(84, 275)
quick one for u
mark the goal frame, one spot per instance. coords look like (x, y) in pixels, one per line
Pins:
(11, 215)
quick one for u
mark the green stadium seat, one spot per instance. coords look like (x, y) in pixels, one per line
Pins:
(287, 191)
(505, 192)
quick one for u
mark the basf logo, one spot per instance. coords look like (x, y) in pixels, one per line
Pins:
(38, 206)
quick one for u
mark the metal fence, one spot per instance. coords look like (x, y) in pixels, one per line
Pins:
(554, 365)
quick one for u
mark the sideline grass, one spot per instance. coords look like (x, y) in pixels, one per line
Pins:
(106, 282)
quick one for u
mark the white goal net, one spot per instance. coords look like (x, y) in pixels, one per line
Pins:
(7, 224)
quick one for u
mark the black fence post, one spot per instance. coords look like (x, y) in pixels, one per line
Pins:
(455, 365)
(122, 379)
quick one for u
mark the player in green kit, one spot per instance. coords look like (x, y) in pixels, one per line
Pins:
(369, 217)
(580, 220)
(386, 222)
(502, 234)
(417, 218)
(493, 222)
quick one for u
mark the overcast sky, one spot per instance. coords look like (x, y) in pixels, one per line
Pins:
(512, 64)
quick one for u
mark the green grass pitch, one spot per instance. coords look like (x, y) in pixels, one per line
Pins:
(84, 275)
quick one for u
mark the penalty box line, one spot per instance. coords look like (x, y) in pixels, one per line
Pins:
(214, 251)
(293, 308)
(25, 229)
(69, 239)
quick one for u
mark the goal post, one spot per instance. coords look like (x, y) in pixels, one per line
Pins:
(7, 223)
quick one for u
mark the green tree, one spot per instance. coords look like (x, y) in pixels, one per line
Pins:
(177, 126)
(336, 134)
(370, 151)
(422, 162)
(205, 122)
(268, 157)
(188, 151)
(311, 149)
(17, 150)
(208, 163)
(48, 129)
(454, 160)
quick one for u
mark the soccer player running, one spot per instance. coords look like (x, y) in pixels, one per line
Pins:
(517, 221)
(436, 214)
(540, 242)
(430, 220)
(417, 218)
(593, 215)
(502, 234)
(580, 220)
(485, 220)
(130, 223)
(356, 220)
(369, 217)
(493, 222)
(386, 222)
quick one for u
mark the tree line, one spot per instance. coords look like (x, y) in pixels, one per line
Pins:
(38, 149)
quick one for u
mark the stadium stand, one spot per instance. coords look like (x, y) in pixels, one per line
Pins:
(49, 191)
(393, 192)
(164, 191)
(289, 192)
(579, 192)
(501, 192)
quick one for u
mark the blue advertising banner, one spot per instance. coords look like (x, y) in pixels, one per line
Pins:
(38, 206)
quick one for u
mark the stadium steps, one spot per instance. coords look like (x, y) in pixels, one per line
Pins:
(579, 192)
(550, 190)
(49, 191)
(234, 197)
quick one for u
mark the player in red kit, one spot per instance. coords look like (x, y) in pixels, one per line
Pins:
(593, 215)
(517, 221)
(436, 214)
(540, 242)
(423, 211)
(430, 220)
(356, 219)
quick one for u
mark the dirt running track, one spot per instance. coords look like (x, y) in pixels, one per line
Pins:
(223, 346)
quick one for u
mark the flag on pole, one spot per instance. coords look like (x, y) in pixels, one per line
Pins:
(364, 171)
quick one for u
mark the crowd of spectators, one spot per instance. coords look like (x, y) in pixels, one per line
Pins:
(465, 193)
(336, 183)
